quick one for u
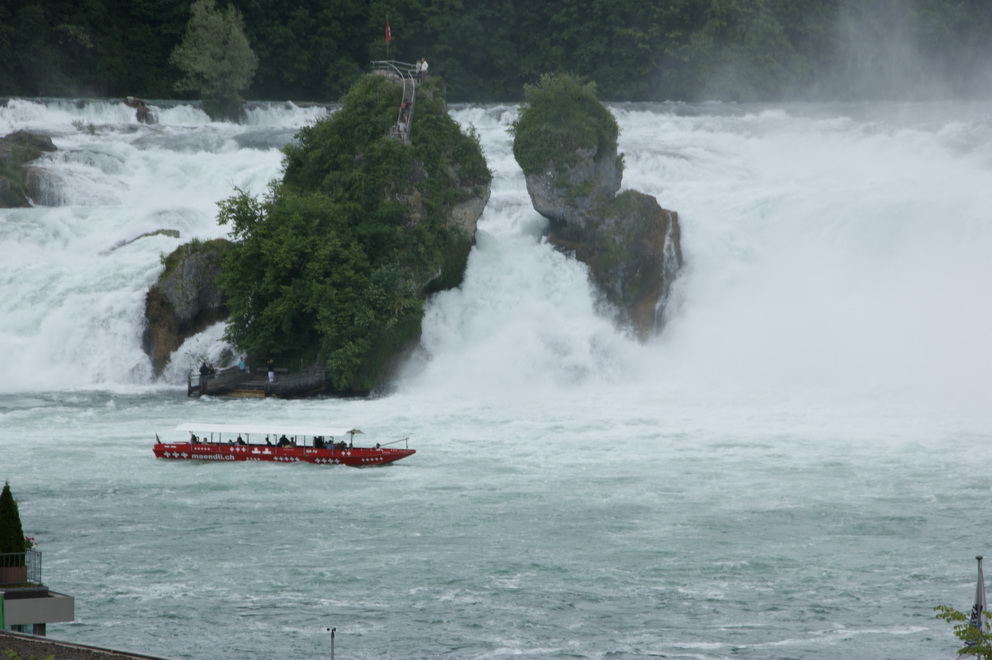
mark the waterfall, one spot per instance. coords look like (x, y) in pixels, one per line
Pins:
(835, 250)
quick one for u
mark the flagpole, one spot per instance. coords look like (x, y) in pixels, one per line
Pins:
(978, 610)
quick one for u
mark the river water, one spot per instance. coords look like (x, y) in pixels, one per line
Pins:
(797, 467)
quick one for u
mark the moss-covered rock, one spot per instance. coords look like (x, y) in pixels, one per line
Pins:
(565, 141)
(16, 151)
(185, 300)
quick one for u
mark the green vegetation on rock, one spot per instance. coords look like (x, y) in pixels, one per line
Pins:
(335, 261)
(560, 117)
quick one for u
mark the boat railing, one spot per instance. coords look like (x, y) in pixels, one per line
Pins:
(20, 568)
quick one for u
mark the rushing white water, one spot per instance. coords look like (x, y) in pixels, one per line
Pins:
(793, 469)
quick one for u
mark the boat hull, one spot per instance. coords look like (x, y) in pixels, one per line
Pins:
(212, 451)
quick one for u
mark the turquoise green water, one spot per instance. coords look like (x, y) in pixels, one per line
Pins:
(517, 528)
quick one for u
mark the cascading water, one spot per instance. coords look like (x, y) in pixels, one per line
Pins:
(75, 273)
(793, 468)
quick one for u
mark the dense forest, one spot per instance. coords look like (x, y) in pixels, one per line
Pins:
(643, 50)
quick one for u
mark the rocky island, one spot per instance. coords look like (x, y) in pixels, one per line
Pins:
(565, 140)
(333, 266)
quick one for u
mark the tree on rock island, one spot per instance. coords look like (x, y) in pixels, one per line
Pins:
(334, 264)
(217, 60)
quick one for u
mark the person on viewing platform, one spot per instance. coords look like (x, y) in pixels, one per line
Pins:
(272, 370)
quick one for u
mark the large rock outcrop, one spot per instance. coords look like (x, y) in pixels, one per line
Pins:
(185, 300)
(16, 151)
(566, 142)
(334, 266)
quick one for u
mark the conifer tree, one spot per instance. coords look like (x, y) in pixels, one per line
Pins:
(218, 61)
(11, 532)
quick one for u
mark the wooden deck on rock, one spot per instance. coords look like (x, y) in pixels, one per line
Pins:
(236, 383)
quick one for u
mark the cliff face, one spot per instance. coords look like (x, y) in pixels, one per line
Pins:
(566, 142)
(16, 151)
(572, 194)
(185, 300)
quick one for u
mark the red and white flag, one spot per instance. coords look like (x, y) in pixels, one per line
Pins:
(389, 35)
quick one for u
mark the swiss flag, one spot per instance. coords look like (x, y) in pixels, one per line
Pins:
(389, 35)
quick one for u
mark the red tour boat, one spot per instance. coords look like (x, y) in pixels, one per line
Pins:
(281, 444)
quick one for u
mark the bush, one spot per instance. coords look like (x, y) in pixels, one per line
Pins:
(560, 116)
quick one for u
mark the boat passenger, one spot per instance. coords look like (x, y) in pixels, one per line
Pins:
(267, 441)
(284, 441)
(240, 441)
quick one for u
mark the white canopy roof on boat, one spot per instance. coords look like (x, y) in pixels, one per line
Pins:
(275, 430)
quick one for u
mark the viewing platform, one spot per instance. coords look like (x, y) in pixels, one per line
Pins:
(26, 604)
(405, 74)
(254, 383)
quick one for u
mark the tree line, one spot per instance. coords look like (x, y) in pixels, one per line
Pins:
(486, 51)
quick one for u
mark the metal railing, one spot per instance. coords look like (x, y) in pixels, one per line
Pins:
(220, 380)
(18, 568)
(406, 73)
